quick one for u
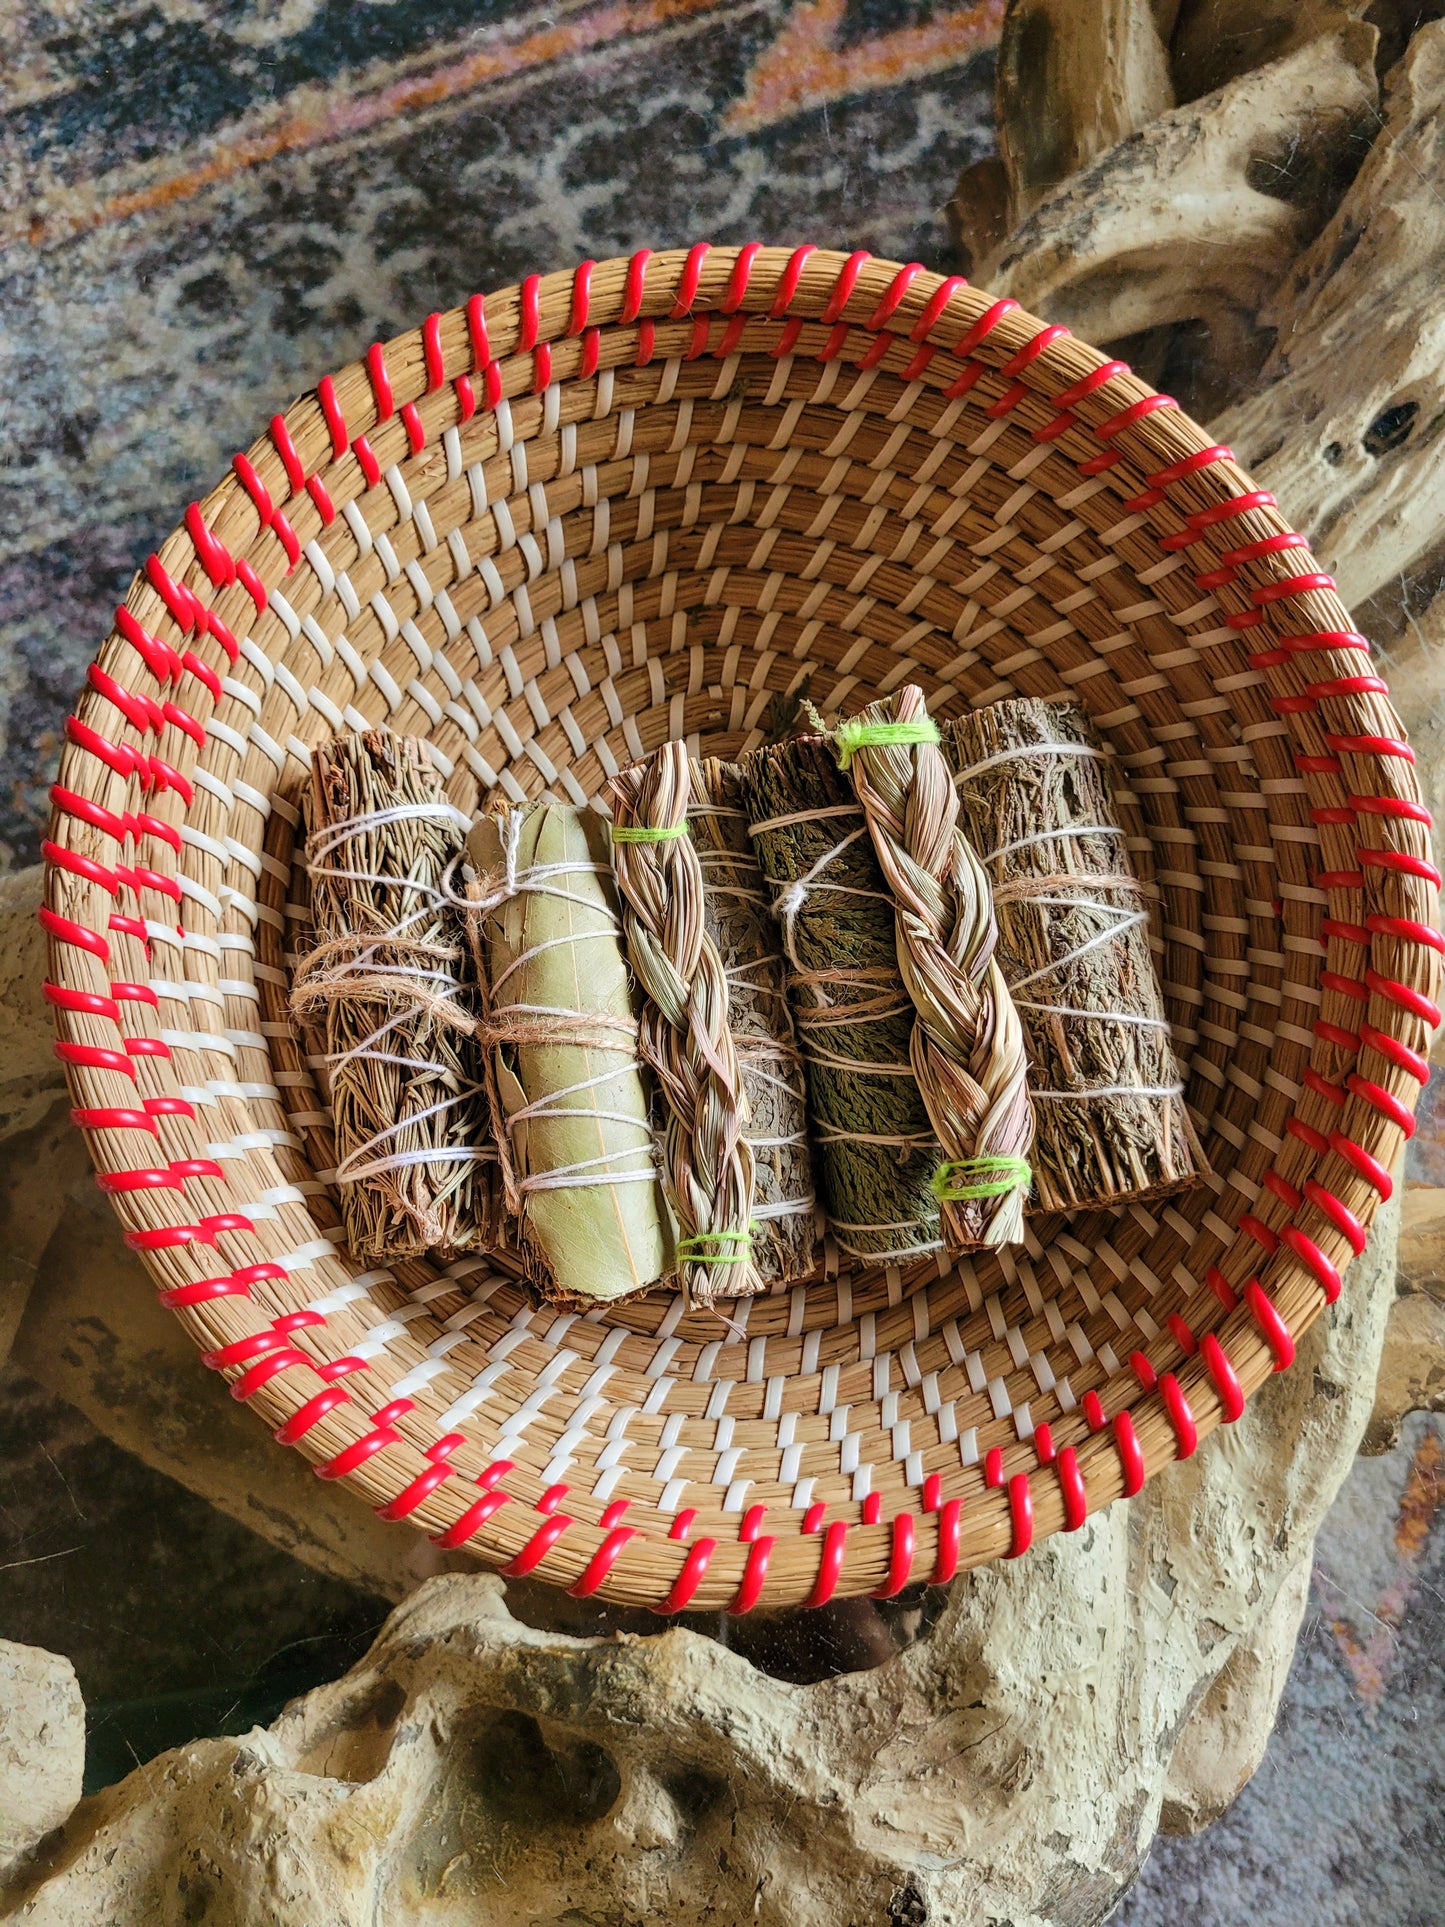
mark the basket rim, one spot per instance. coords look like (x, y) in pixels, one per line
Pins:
(128, 774)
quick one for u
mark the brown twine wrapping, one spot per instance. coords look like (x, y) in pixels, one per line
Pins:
(383, 981)
(683, 1030)
(1111, 1122)
(875, 1147)
(967, 1048)
(737, 913)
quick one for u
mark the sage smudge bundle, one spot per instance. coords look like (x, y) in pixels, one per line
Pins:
(876, 1148)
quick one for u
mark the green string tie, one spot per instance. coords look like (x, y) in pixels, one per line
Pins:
(642, 833)
(852, 734)
(695, 1250)
(969, 1178)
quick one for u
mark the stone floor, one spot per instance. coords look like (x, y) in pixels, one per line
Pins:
(204, 208)
(1342, 1824)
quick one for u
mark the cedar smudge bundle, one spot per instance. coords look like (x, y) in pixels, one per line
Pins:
(740, 922)
(384, 981)
(683, 1029)
(570, 1094)
(876, 1149)
(1110, 1116)
(967, 1047)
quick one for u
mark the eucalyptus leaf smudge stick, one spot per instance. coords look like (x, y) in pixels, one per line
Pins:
(383, 981)
(1110, 1118)
(876, 1149)
(571, 1097)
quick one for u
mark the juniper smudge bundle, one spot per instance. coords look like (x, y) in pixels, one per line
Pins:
(683, 1026)
(876, 1149)
(967, 1048)
(1110, 1117)
(384, 981)
(736, 906)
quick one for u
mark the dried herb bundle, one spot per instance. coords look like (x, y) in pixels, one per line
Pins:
(683, 1026)
(967, 1048)
(740, 922)
(384, 979)
(570, 1093)
(877, 1152)
(1110, 1116)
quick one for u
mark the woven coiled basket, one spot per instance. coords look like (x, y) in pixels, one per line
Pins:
(656, 498)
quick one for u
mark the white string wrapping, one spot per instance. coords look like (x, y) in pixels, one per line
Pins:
(1026, 752)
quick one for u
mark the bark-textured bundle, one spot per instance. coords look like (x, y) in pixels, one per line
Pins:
(739, 921)
(683, 1026)
(385, 980)
(1073, 943)
(967, 1048)
(876, 1149)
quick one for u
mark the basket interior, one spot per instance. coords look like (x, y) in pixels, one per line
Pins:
(662, 498)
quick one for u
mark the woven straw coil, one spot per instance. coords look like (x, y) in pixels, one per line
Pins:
(654, 499)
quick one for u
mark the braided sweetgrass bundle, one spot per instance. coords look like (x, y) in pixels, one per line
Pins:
(683, 1029)
(967, 1048)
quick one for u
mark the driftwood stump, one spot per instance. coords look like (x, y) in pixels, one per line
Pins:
(485, 1765)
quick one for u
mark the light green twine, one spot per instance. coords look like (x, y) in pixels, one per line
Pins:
(968, 1178)
(852, 734)
(643, 834)
(693, 1250)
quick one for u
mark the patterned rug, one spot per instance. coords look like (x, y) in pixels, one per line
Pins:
(204, 208)
(207, 204)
